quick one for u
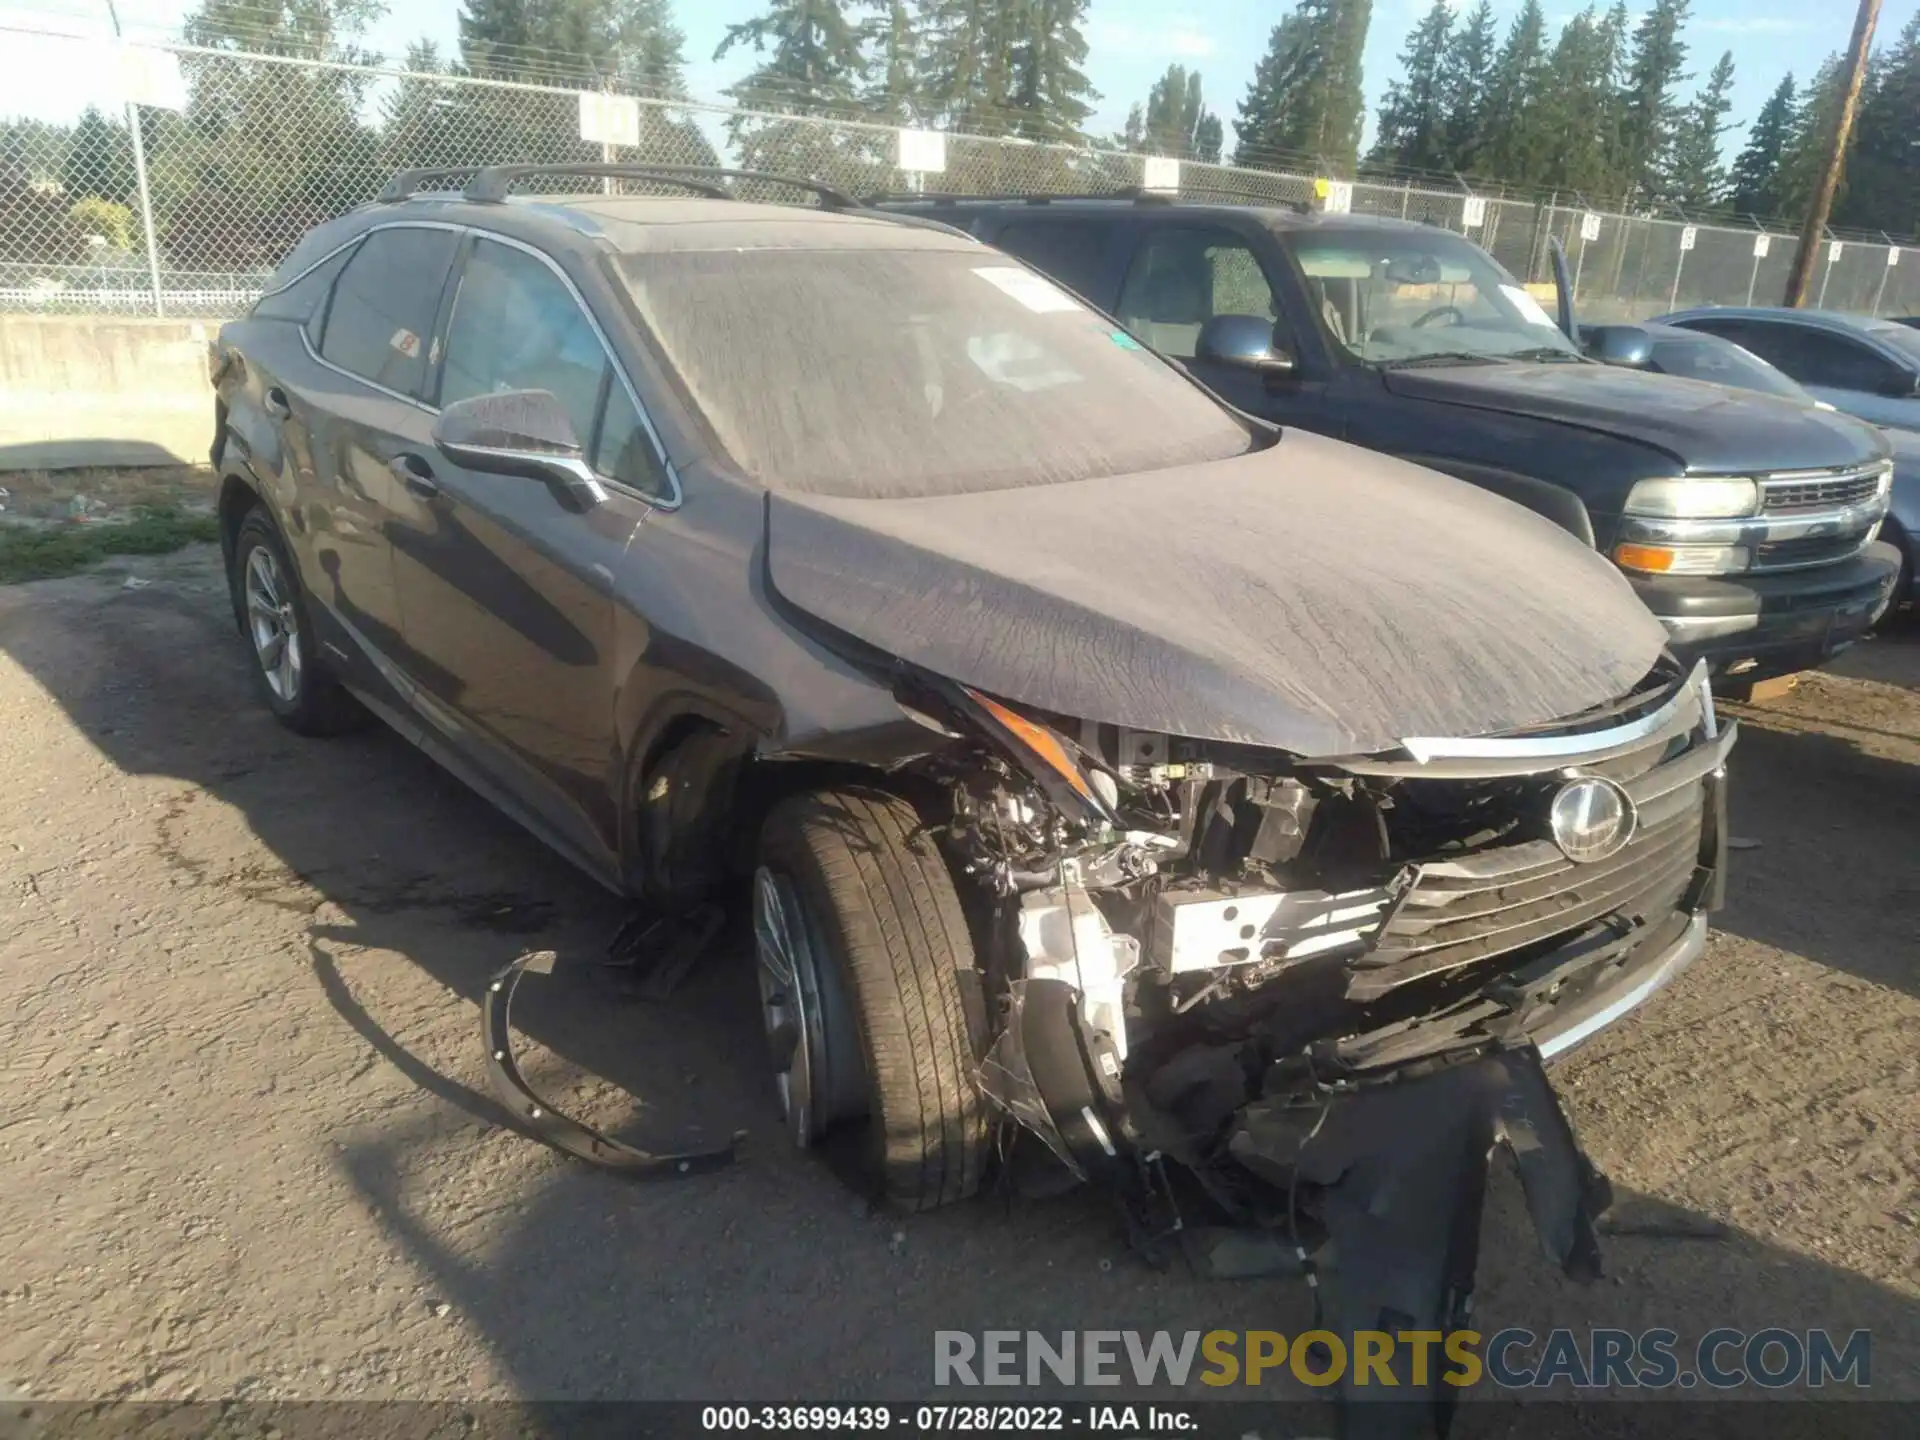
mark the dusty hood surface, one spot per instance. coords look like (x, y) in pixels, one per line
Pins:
(1315, 598)
(1705, 427)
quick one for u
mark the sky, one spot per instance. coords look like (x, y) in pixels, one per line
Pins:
(1131, 42)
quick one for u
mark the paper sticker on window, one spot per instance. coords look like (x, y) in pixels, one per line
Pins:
(1528, 307)
(406, 342)
(1039, 296)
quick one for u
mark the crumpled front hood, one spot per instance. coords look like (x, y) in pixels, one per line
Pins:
(1706, 428)
(1312, 597)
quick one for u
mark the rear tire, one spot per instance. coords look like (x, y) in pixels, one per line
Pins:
(288, 673)
(876, 915)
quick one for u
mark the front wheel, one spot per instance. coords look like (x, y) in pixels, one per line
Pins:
(288, 672)
(861, 941)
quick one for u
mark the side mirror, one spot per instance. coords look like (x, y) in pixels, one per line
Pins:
(1627, 345)
(1243, 341)
(520, 432)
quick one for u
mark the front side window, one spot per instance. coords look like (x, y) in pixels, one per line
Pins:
(1068, 250)
(1814, 357)
(1392, 297)
(380, 321)
(1182, 278)
(904, 373)
(1707, 357)
(516, 326)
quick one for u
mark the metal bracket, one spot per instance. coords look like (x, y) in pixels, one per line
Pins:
(548, 1125)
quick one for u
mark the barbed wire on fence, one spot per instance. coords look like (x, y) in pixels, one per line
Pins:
(271, 144)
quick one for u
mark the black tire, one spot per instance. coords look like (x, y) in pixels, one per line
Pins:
(879, 897)
(313, 702)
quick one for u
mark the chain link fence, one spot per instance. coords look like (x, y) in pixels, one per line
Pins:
(267, 146)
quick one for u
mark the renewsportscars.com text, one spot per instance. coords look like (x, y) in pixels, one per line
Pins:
(1510, 1359)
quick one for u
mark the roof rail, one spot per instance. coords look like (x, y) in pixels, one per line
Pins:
(490, 184)
(1126, 192)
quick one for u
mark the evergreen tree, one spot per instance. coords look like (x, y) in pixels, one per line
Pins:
(1174, 120)
(1463, 86)
(1305, 97)
(894, 93)
(1754, 177)
(1650, 115)
(1413, 113)
(1577, 113)
(967, 63)
(814, 65)
(632, 45)
(1886, 163)
(99, 160)
(1806, 148)
(1510, 140)
(1049, 96)
(1209, 136)
(1698, 176)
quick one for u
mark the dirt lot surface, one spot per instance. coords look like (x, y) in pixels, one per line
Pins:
(246, 1147)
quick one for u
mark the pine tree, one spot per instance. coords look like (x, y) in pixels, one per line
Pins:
(1049, 96)
(1577, 113)
(1463, 87)
(1698, 177)
(966, 63)
(894, 93)
(630, 44)
(814, 65)
(1806, 148)
(1413, 113)
(1753, 178)
(1649, 113)
(1174, 119)
(1510, 139)
(99, 160)
(1305, 98)
(1885, 165)
(1209, 136)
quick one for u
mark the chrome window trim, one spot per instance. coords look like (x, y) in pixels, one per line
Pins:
(671, 501)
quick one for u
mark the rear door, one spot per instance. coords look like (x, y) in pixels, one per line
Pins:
(507, 596)
(1847, 373)
(349, 414)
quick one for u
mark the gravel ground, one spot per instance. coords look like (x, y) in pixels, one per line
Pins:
(247, 1150)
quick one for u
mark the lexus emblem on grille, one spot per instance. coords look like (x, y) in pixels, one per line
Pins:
(1592, 819)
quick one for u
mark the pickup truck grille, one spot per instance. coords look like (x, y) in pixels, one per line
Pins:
(1812, 550)
(1469, 907)
(1819, 490)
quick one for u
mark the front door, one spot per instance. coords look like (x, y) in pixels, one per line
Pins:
(1183, 275)
(506, 594)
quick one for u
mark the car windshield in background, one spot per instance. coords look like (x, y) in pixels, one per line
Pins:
(1392, 296)
(1706, 357)
(917, 372)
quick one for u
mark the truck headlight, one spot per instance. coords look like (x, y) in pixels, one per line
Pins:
(1683, 559)
(1726, 497)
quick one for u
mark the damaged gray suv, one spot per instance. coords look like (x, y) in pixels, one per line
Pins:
(1127, 790)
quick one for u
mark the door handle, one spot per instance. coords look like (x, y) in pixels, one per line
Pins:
(276, 403)
(415, 474)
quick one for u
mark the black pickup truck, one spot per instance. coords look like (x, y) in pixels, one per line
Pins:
(1746, 522)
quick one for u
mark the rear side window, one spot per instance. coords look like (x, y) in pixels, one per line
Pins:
(516, 326)
(381, 320)
(1070, 251)
(304, 301)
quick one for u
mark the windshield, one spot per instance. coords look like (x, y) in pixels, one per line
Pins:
(1706, 357)
(1391, 296)
(915, 372)
(1899, 337)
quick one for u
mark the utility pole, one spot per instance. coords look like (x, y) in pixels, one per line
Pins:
(1821, 205)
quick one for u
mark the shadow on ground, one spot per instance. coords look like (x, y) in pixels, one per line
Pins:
(768, 1281)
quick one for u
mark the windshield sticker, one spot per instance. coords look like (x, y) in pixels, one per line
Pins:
(1125, 341)
(1039, 296)
(406, 342)
(1528, 307)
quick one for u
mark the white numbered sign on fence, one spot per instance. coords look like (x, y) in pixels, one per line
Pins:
(924, 151)
(1893, 255)
(609, 119)
(1833, 251)
(1162, 173)
(1339, 197)
(151, 78)
(1589, 226)
(1760, 246)
(1688, 236)
(1473, 214)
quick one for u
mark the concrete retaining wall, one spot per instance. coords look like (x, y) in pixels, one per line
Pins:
(103, 390)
